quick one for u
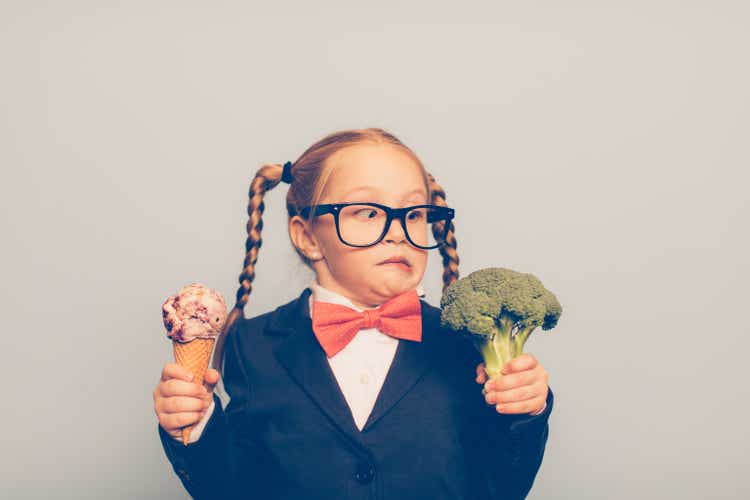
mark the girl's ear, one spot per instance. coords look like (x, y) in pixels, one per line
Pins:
(303, 238)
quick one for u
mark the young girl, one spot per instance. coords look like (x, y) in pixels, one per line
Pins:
(353, 390)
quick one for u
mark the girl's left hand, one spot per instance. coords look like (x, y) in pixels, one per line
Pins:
(521, 389)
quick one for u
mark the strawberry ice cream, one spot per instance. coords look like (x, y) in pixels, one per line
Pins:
(195, 312)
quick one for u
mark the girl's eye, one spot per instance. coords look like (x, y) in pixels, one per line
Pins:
(415, 215)
(370, 210)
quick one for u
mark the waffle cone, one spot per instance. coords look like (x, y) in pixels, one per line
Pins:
(194, 356)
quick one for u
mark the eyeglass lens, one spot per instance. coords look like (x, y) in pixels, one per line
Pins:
(363, 225)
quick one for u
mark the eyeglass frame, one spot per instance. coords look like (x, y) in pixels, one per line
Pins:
(391, 213)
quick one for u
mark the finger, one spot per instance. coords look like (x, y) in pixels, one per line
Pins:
(177, 420)
(177, 387)
(513, 395)
(481, 374)
(175, 370)
(507, 382)
(182, 404)
(522, 362)
(520, 407)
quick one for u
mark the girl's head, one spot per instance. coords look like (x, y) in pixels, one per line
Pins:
(369, 172)
(363, 166)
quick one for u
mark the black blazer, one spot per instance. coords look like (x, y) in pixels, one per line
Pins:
(287, 431)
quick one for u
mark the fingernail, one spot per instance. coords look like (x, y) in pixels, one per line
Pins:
(190, 377)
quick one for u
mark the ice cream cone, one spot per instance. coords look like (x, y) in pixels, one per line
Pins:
(195, 356)
(194, 318)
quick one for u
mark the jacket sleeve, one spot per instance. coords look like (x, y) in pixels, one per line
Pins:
(208, 467)
(513, 447)
(202, 465)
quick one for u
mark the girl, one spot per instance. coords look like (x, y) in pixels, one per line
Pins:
(353, 390)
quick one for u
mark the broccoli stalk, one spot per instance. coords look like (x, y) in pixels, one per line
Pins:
(519, 339)
(496, 349)
(498, 309)
(504, 344)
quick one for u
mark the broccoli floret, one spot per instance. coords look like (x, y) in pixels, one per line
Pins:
(497, 309)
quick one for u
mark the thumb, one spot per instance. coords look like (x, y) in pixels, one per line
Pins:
(211, 378)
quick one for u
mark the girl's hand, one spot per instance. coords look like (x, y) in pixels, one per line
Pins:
(178, 401)
(521, 389)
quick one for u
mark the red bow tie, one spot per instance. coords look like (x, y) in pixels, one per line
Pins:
(335, 325)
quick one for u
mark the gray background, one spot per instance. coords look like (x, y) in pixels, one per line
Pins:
(602, 147)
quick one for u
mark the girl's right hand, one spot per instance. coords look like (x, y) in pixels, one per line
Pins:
(178, 401)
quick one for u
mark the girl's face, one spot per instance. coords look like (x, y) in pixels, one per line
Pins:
(374, 173)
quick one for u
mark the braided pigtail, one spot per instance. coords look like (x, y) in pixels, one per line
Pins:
(448, 251)
(268, 177)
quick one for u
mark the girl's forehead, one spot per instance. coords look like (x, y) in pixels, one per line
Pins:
(398, 190)
(418, 192)
(383, 173)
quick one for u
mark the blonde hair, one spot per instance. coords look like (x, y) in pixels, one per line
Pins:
(311, 173)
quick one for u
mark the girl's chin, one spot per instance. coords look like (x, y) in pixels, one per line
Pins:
(393, 287)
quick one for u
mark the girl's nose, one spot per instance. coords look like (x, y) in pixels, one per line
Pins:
(395, 232)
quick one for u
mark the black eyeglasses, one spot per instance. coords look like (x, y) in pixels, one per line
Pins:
(365, 224)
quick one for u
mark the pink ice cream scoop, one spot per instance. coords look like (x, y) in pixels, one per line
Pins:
(195, 312)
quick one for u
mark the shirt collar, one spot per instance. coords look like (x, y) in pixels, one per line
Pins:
(319, 292)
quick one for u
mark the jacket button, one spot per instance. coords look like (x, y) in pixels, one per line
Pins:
(365, 472)
(183, 473)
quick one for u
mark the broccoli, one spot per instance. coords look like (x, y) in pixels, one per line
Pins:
(497, 309)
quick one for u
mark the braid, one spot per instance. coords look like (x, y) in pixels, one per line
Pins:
(265, 179)
(448, 251)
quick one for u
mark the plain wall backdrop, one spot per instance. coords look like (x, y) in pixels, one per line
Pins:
(602, 146)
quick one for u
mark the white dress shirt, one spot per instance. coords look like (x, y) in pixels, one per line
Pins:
(360, 367)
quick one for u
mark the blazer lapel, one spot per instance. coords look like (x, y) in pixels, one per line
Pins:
(300, 353)
(409, 364)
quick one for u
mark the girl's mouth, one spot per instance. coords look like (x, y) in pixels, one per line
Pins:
(396, 265)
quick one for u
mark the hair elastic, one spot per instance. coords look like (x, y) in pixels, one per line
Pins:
(286, 175)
